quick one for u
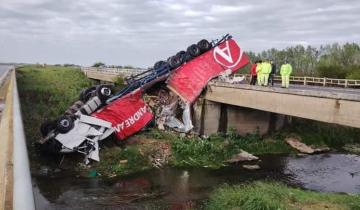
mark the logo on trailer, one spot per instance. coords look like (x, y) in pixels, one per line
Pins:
(228, 54)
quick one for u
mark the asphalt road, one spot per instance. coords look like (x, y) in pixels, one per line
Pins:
(321, 88)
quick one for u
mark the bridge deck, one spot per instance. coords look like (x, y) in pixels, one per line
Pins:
(315, 91)
(331, 105)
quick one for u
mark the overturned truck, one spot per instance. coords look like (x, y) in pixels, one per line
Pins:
(100, 113)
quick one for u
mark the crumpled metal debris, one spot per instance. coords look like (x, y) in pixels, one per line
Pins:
(227, 77)
(167, 107)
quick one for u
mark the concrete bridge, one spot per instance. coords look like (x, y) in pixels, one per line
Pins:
(248, 108)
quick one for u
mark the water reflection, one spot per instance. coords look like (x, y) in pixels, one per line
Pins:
(185, 188)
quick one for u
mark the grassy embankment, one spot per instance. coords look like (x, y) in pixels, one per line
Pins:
(277, 196)
(47, 92)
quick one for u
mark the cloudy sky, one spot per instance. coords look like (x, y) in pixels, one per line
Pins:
(140, 32)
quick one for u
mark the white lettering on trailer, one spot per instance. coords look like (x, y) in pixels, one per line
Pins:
(227, 54)
(131, 120)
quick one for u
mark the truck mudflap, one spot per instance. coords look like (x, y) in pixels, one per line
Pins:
(189, 80)
(128, 114)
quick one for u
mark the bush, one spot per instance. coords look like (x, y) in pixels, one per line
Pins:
(353, 72)
(331, 71)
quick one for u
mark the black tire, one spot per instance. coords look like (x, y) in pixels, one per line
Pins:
(181, 55)
(193, 50)
(64, 124)
(159, 64)
(86, 94)
(74, 108)
(103, 92)
(174, 62)
(187, 57)
(46, 127)
(204, 45)
(52, 146)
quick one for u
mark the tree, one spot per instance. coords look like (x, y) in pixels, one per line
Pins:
(98, 64)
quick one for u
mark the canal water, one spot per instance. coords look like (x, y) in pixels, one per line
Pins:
(175, 188)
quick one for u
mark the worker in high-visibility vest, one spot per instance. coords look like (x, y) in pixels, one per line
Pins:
(285, 71)
(265, 71)
(258, 72)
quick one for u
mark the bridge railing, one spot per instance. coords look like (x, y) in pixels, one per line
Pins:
(316, 81)
(114, 71)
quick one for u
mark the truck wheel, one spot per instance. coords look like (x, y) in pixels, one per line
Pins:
(204, 45)
(187, 57)
(103, 92)
(46, 127)
(64, 124)
(181, 54)
(159, 64)
(86, 94)
(174, 61)
(193, 50)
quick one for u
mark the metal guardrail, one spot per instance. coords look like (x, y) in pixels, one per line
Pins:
(114, 71)
(316, 81)
(15, 180)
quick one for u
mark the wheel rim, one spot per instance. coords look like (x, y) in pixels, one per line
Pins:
(64, 123)
(105, 91)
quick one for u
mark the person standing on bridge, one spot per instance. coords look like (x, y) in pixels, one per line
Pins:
(265, 71)
(272, 73)
(253, 73)
(258, 72)
(285, 71)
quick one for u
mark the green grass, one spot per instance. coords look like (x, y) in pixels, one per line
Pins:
(215, 150)
(110, 164)
(46, 92)
(276, 196)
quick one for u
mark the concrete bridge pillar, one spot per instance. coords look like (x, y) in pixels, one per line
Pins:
(212, 117)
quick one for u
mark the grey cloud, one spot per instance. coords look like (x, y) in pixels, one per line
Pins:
(140, 32)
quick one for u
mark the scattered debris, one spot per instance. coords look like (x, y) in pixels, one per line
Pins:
(123, 161)
(227, 77)
(322, 149)
(92, 173)
(298, 145)
(303, 148)
(158, 153)
(251, 167)
(242, 156)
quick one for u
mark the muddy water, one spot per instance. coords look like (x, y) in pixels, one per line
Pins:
(184, 188)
